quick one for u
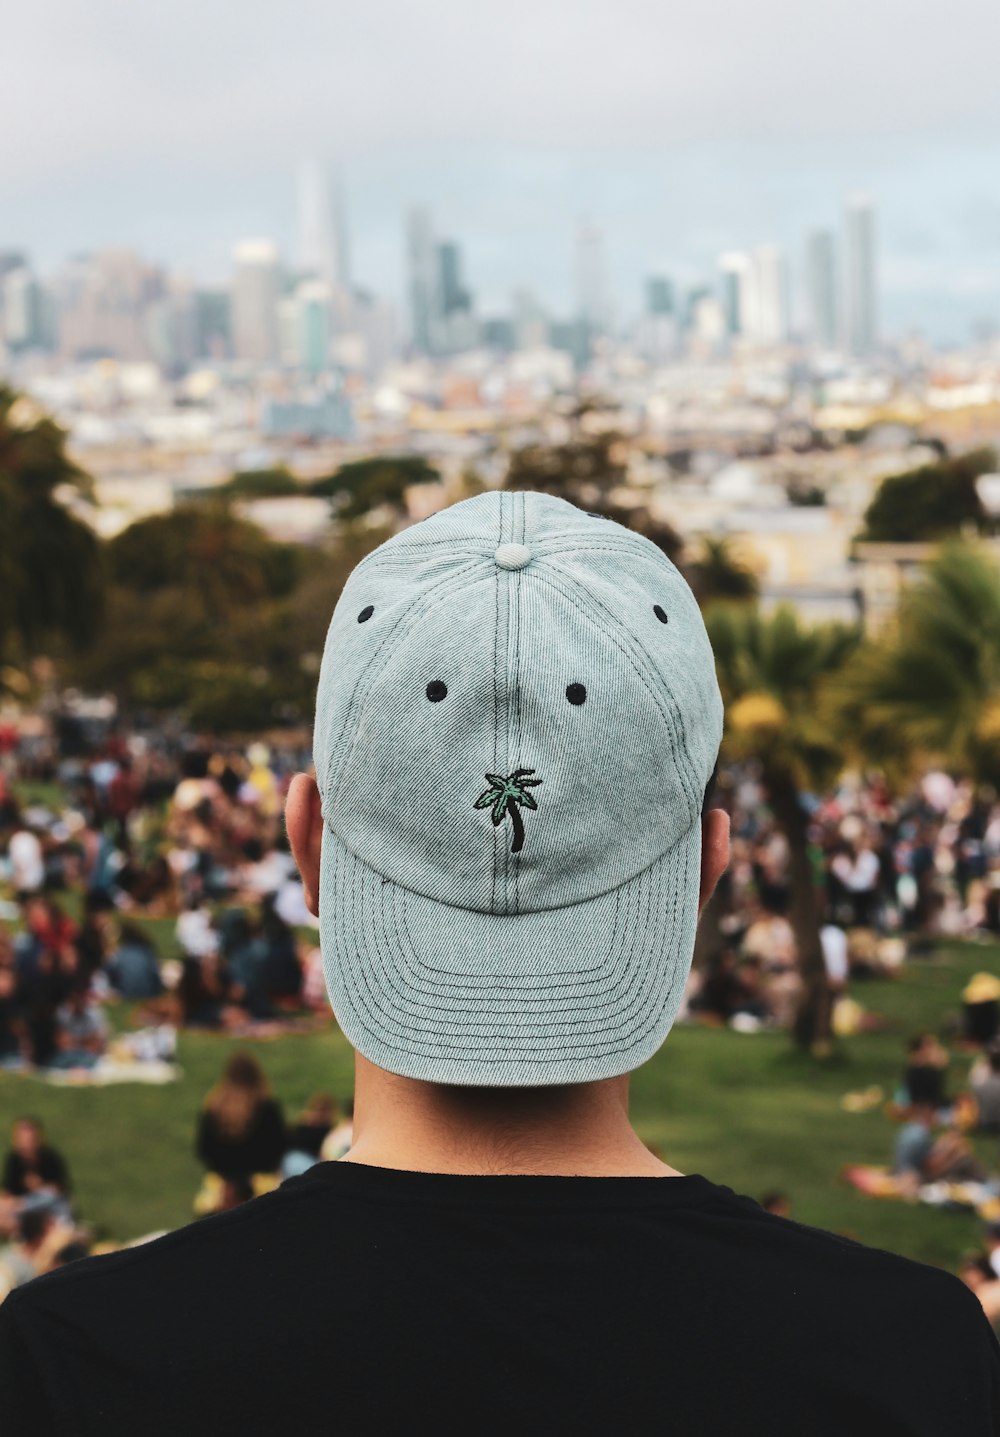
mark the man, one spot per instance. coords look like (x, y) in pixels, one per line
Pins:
(516, 725)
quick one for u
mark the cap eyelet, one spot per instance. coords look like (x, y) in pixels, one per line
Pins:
(576, 693)
(436, 691)
(366, 613)
(660, 613)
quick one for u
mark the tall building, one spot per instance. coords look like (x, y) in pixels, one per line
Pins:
(213, 324)
(256, 292)
(593, 299)
(821, 289)
(313, 307)
(452, 294)
(21, 305)
(771, 285)
(860, 292)
(323, 243)
(423, 273)
(737, 301)
(659, 295)
(656, 332)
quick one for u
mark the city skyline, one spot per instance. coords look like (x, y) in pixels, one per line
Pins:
(305, 312)
(943, 297)
(678, 133)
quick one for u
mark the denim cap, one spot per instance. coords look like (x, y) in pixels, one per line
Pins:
(516, 721)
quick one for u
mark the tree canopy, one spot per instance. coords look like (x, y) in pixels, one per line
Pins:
(365, 484)
(51, 569)
(930, 502)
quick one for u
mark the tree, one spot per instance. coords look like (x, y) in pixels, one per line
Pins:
(367, 484)
(930, 502)
(51, 572)
(776, 678)
(718, 574)
(928, 689)
(195, 619)
(274, 483)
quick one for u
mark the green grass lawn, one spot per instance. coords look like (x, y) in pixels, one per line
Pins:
(745, 1110)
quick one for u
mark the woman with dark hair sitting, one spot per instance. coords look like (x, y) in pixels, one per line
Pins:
(241, 1134)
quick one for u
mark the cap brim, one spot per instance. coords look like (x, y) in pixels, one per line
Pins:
(452, 995)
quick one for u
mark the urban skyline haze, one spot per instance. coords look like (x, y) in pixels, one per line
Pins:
(679, 134)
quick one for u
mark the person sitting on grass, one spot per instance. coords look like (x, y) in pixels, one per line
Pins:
(133, 968)
(35, 1174)
(241, 1130)
(919, 1157)
(507, 841)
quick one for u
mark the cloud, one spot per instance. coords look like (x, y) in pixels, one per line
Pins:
(214, 80)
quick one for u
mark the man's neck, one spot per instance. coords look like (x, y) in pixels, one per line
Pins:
(582, 1130)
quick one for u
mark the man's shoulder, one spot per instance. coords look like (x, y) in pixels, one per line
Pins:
(824, 1263)
(206, 1251)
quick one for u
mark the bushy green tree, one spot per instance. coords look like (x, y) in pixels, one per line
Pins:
(194, 604)
(930, 502)
(274, 483)
(51, 570)
(366, 484)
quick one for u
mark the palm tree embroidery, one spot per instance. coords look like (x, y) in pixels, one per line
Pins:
(504, 795)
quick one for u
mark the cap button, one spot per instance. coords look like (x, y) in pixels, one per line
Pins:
(512, 556)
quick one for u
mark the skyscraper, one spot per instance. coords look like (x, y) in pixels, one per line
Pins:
(771, 284)
(323, 244)
(860, 297)
(737, 304)
(21, 304)
(256, 292)
(422, 267)
(453, 295)
(821, 289)
(659, 295)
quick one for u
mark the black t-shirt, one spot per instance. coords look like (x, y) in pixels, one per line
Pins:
(369, 1301)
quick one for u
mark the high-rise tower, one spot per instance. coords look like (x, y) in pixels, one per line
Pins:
(256, 291)
(860, 292)
(423, 274)
(323, 246)
(821, 289)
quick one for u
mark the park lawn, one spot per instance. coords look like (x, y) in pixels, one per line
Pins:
(745, 1110)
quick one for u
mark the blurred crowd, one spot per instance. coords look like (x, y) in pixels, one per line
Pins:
(141, 828)
(891, 875)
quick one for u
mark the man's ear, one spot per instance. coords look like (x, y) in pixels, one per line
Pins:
(714, 851)
(304, 822)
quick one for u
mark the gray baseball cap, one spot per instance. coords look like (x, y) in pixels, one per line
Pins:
(516, 721)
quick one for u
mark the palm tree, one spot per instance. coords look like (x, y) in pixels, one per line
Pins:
(504, 796)
(776, 676)
(51, 571)
(928, 688)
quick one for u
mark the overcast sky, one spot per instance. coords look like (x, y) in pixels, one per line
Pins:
(681, 130)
